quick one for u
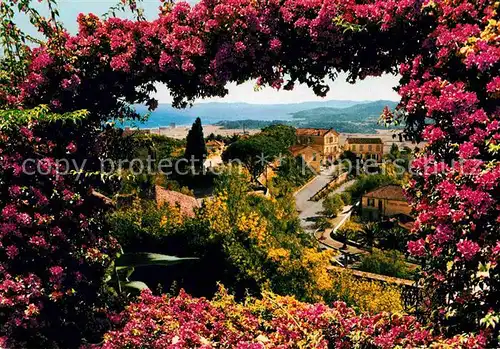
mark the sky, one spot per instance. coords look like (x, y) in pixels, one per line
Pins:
(370, 89)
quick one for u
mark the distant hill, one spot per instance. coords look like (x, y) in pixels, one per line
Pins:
(343, 115)
(360, 118)
(358, 112)
(214, 112)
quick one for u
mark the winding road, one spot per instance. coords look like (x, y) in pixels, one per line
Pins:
(309, 211)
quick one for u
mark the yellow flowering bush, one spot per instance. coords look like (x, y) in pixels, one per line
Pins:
(251, 243)
(367, 296)
(215, 213)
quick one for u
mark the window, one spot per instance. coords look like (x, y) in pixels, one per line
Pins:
(370, 147)
(371, 203)
(331, 139)
(361, 147)
(353, 147)
(378, 147)
(314, 157)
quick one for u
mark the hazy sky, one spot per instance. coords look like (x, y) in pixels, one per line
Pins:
(368, 89)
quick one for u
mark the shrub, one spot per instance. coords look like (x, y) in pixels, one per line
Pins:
(332, 204)
(365, 295)
(390, 263)
(55, 245)
(271, 322)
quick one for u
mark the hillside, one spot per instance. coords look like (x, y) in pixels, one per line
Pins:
(360, 118)
(359, 112)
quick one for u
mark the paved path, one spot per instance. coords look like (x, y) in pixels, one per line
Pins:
(311, 210)
(325, 236)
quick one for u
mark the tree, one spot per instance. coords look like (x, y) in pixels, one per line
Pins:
(332, 204)
(292, 173)
(255, 153)
(56, 246)
(195, 145)
(394, 151)
(283, 134)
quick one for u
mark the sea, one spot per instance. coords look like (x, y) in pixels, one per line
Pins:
(214, 112)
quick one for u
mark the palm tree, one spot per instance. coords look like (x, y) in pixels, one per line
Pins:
(369, 234)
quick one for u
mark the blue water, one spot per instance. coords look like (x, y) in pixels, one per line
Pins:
(211, 113)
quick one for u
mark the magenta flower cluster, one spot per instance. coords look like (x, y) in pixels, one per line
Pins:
(53, 252)
(273, 322)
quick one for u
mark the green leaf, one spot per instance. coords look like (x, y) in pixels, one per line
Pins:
(142, 259)
(136, 285)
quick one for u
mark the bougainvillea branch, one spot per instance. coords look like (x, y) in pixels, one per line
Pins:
(272, 322)
(447, 53)
(54, 248)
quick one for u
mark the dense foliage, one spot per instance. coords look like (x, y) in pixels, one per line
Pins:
(248, 242)
(270, 322)
(255, 153)
(55, 247)
(283, 134)
(390, 263)
(448, 56)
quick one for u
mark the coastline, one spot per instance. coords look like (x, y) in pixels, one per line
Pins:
(180, 132)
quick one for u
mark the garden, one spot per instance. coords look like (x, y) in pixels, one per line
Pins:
(78, 271)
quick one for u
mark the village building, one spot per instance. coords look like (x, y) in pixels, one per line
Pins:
(385, 201)
(214, 153)
(365, 148)
(325, 141)
(186, 204)
(311, 155)
(215, 147)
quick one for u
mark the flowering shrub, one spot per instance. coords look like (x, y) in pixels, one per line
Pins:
(270, 322)
(455, 189)
(448, 56)
(365, 295)
(250, 243)
(53, 249)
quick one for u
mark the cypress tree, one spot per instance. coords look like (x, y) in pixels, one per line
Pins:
(195, 144)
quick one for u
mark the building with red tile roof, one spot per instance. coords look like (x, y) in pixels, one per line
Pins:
(186, 203)
(385, 201)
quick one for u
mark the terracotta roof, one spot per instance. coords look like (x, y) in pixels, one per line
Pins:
(314, 131)
(215, 143)
(390, 191)
(187, 203)
(299, 148)
(364, 141)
